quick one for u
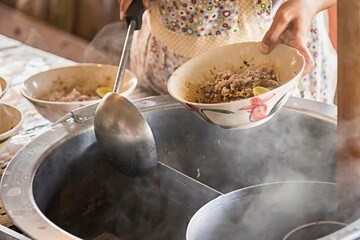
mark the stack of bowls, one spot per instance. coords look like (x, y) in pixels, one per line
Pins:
(10, 118)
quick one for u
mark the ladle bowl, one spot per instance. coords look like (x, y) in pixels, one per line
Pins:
(123, 131)
(119, 126)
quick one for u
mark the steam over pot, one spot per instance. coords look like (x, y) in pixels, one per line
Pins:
(62, 186)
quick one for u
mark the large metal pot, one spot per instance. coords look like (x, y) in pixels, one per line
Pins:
(62, 186)
(268, 212)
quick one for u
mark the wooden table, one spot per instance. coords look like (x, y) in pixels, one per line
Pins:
(18, 62)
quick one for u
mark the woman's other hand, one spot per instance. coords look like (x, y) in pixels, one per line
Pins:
(291, 26)
(124, 5)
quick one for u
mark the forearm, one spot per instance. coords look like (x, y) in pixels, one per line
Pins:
(314, 6)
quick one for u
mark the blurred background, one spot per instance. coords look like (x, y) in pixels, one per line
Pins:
(79, 30)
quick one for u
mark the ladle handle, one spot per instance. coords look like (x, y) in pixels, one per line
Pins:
(124, 57)
(79, 115)
(135, 12)
(133, 18)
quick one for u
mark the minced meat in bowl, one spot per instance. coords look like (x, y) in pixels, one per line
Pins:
(73, 96)
(236, 86)
(230, 86)
(56, 92)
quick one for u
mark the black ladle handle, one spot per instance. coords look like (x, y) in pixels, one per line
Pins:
(135, 12)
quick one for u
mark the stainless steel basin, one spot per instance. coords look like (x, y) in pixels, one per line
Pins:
(64, 186)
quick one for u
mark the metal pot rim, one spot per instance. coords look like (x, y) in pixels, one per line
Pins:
(16, 184)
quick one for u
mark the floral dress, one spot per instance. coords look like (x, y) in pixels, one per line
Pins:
(175, 31)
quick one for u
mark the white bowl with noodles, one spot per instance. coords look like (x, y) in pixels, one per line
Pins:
(10, 119)
(57, 91)
(3, 87)
(184, 84)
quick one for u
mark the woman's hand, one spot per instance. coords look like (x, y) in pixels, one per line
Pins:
(124, 5)
(291, 26)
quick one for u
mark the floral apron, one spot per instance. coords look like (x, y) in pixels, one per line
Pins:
(175, 31)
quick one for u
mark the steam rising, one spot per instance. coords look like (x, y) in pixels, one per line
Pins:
(269, 212)
(107, 45)
(290, 147)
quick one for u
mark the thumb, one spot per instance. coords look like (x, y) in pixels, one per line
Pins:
(124, 5)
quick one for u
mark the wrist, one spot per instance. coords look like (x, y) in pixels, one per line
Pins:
(321, 5)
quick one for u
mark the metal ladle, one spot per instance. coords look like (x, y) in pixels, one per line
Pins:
(119, 126)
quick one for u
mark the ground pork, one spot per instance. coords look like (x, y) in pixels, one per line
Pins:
(230, 86)
(72, 96)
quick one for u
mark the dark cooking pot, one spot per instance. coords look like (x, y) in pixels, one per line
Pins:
(62, 186)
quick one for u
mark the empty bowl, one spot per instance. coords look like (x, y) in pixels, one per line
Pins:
(10, 119)
(185, 82)
(58, 91)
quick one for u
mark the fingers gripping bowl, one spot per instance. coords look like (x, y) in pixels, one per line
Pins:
(57, 91)
(184, 84)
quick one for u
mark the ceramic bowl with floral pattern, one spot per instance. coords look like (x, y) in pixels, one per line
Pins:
(10, 119)
(184, 84)
(44, 89)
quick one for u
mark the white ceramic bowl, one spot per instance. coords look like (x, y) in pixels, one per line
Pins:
(84, 76)
(183, 84)
(10, 119)
(3, 87)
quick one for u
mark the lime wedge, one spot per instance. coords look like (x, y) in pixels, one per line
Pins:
(101, 91)
(259, 90)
